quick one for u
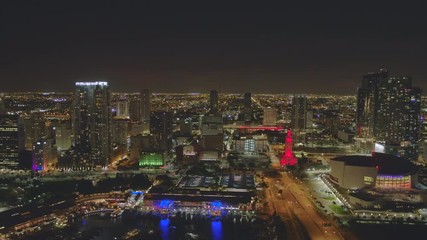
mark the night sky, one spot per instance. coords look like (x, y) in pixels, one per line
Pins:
(195, 46)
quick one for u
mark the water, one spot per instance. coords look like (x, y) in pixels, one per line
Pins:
(389, 231)
(153, 227)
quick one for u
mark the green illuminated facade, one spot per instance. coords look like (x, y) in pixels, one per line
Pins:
(151, 160)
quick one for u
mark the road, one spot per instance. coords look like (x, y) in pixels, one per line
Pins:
(294, 230)
(294, 206)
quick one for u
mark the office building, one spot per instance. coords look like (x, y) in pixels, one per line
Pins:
(34, 126)
(134, 108)
(145, 105)
(213, 102)
(212, 135)
(247, 108)
(299, 113)
(270, 117)
(45, 155)
(92, 123)
(161, 129)
(11, 141)
(63, 135)
(122, 108)
(120, 131)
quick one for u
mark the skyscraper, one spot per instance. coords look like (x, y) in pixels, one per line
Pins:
(44, 155)
(34, 128)
(299, 112)
(367, 103)
(122, 108)
(161, 128)
(213, 102)
(398, 117)
(389, 110)
(134, 108)
(247, 108)
(212, 135)
(145, 105)
(92, 123)
(63, 133)
(11, 142)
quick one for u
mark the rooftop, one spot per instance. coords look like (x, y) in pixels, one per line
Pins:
(385, 163)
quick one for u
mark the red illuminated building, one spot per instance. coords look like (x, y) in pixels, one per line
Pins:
(288, 158)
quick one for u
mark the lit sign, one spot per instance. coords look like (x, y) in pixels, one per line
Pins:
(368, 180)
(165, 203)
(8, 129)
(91, 84)
(379, 148)
(216, 204)
(188, 150)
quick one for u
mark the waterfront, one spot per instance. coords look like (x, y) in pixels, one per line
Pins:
(99, 227)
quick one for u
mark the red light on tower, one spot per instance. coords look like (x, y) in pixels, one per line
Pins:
(288, 158)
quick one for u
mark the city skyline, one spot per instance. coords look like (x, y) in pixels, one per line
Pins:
(196, 48)
(210, 120)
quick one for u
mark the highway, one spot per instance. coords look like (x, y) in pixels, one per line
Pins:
(294, 206)
(294, 230)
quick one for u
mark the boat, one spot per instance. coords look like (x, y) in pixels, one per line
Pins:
(117, 213)
(191, 236)
(131, 234)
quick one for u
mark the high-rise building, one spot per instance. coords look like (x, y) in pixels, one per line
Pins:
(2, 107)
(161, 129)
(119, 131)
(309, 119)
(63, 135)
(45, 155)
(299, 112)
(424, 139)
(34, 128)
(398, 122)
(134, 108)
(367, 103)
(213, 102)
(270, 117)
(247, 108)
(389, 111)
(92, 123)
(145, 105)
(122, 108)
(11, 141)
(212, 134)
